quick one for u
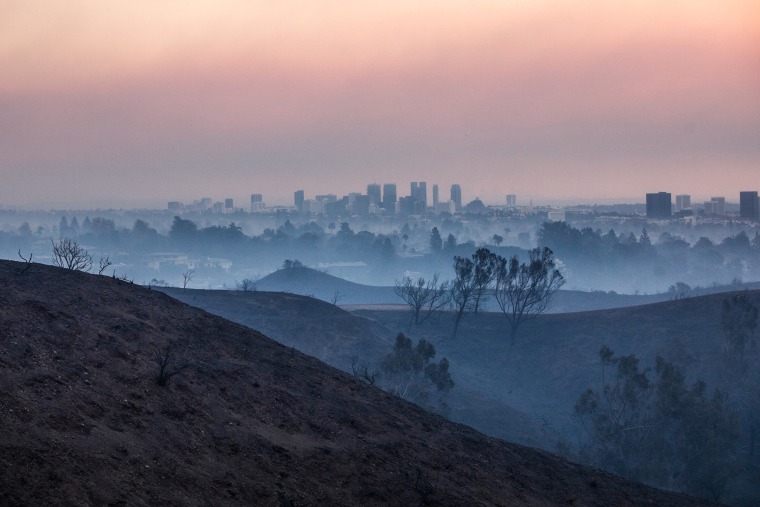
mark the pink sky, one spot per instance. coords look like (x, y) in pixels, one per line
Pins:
(142, 102)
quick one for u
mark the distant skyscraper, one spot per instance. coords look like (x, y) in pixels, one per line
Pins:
(257, 203)
(373, 191)
(435, 195)
(228, 204)
(659, 205)
(361, 205)
(719, 206)
(456, 196)
(511, 200)
(419, 193)
(683, 202)
(748, 205)
(389, 196)
(298, 198)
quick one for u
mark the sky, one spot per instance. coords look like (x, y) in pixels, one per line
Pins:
(121, 104)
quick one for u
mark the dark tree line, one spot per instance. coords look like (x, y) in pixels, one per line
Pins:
(649, 425)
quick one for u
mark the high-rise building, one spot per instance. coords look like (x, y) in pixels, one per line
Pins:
(683, 202)
(257, 203)
(511, 200)
(313, 207)
(749, 207)
(298, 198)
(361, 204)
(435, 195)
(456, 196)
(659, 205)
(326, 197)
(719, 205)
(419, 193)
(228, 204)
(389, 196)
(373, 191)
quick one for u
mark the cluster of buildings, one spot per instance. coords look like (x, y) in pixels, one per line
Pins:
(660, 206)
(385, 200)
(379, 200)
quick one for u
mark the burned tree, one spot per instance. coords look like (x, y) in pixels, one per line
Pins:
(462, 288)
(524, 290)
(423, 295)
(68, 254)
(168, 365)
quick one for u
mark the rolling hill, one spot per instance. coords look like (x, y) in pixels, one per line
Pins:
(311, 282)
(249, 421)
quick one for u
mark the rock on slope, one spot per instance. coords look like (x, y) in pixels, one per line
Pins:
(82, 420)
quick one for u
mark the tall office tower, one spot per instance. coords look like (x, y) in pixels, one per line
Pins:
(419, 193)
(414, 192)
(720, 205)
(748, 205)
(389, 196)
(298, 198)
(228, 204)
(456, 196)
(659, 205)
(326, 197)
(361, 204)
(683, 202)
(373, 191)
(435, 195)
(511, 200)
(257, 203)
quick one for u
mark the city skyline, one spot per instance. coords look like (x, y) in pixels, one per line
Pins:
(551, 101)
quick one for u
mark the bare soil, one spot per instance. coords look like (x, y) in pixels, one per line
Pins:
(249, 422)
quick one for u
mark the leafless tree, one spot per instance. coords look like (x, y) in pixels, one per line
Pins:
(335, 299)
(104, 263)
(362, 371)
(187, 276)
(525, 290)
(167, 364)
(27, 261)
(247, 285)
(422, 295)
(68, 254)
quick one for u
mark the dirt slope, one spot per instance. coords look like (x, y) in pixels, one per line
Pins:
(250, 422)
(336, 337)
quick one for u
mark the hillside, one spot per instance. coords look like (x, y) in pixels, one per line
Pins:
(324, 286)
(337, 337)
(250, 421)
(556, 355)
(311, 282)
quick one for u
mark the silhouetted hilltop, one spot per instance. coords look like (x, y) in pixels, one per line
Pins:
(248, 422)
(321, 285)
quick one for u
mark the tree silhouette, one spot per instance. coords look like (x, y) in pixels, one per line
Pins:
(525, 290)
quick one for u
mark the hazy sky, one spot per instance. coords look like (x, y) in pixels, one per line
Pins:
(149, 101)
